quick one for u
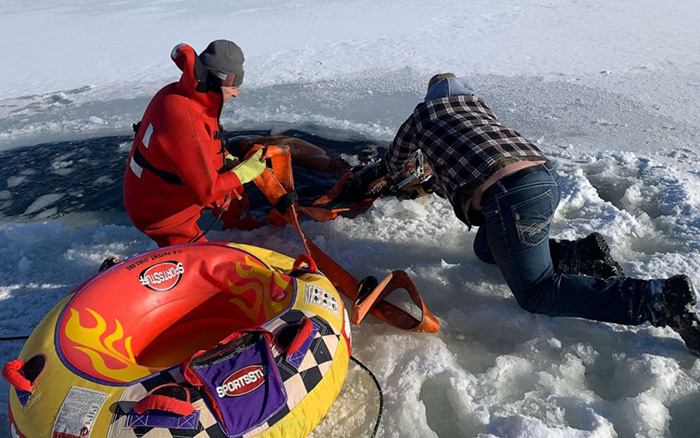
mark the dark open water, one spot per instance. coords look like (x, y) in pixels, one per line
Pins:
(86, 176)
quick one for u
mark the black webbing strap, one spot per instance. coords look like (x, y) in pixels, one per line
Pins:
(166, 176)
(286, 201)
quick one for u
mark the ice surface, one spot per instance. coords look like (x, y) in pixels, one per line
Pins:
(43, 202)
(608, 90)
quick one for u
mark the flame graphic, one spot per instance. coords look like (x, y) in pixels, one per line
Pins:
(88, 340)
(259, 292)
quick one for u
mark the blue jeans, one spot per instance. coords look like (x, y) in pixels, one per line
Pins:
(516, 237)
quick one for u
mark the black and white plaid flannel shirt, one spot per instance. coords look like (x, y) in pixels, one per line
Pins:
(461, 139)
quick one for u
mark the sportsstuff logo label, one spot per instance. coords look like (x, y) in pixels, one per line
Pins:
(163, 276)
(242, 382)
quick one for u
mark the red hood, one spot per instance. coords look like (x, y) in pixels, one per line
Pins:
(185, 57)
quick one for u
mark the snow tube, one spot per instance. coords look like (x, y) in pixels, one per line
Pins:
(206, 340)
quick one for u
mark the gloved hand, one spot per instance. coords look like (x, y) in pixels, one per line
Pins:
(413, 191)
(251, 168)
(230, 162)
(369, 179)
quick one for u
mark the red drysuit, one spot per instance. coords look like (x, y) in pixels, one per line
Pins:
(172, 173)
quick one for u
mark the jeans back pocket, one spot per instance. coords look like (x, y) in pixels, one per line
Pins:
(533, 218)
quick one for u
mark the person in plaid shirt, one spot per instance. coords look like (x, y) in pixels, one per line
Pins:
(501, 182)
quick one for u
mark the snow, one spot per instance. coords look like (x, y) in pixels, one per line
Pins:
(608, 89)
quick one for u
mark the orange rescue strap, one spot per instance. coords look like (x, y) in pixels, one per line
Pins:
(277, 184)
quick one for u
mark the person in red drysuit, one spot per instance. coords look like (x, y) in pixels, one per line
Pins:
(178, 165)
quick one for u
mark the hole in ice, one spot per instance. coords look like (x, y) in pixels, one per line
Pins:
(612, 380)
(473, 353)
(444, 415)
(354, 412)
(86, 175)
(685, 422)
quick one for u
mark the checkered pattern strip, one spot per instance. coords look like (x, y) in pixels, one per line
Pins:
(297, 382)
(317, 362)
(461, 139)
(206, 425)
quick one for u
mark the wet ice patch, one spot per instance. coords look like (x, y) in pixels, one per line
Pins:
(20, 178)
(43, 202)
(63, 168)
(104, 180)
(46, 214)
(15, 181)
